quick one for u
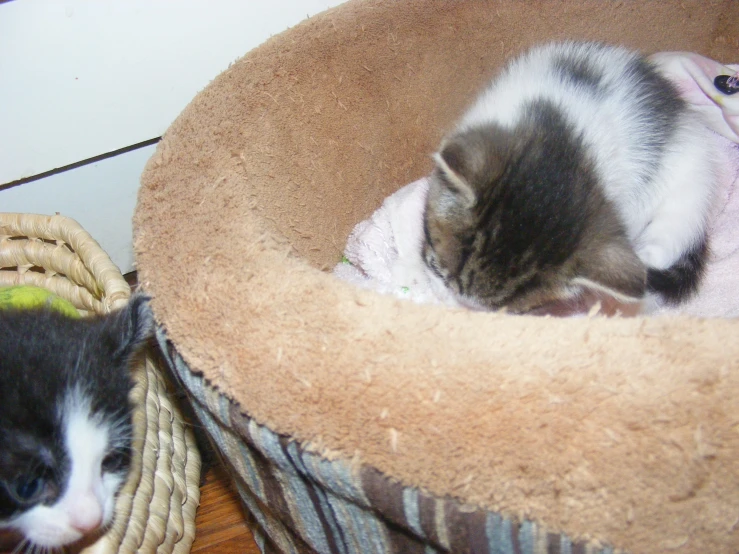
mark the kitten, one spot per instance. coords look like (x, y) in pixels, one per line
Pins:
(578, 169)
(65, 418)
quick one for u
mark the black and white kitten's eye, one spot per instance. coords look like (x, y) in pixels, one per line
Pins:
(115, 461)
(28, 488)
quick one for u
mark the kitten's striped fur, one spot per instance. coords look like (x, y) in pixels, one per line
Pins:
(579, 167)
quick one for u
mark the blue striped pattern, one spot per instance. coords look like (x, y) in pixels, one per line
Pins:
(300, 502)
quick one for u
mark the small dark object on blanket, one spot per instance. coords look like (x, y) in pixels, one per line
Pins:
(728, 84)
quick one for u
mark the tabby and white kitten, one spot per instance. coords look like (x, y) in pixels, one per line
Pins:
(65, 419)
(579, 168)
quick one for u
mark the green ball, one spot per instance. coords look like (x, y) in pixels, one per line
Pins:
(24, 297)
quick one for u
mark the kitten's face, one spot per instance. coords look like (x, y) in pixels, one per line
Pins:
(482, 273)
(516, 220)
(65, 420)
(57, 489)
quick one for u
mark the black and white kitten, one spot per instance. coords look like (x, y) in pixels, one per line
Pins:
(65, 418)
(579, 168)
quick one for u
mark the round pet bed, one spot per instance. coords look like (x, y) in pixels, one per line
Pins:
(357, 422)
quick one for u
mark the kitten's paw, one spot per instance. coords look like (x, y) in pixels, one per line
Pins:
(654, 255)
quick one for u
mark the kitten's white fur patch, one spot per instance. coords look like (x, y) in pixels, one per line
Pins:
(88, 500)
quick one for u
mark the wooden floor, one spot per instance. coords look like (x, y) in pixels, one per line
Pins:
(220, 520)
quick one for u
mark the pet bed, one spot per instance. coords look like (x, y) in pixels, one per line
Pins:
(155, 509)
(358, 422)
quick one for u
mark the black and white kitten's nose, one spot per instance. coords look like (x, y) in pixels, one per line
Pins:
(86, 515)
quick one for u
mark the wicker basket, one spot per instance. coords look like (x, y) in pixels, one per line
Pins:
(155, 510)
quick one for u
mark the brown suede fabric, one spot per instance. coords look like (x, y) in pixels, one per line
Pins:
(625, 431)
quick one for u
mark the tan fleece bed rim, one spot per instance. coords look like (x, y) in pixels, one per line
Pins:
(624, 429)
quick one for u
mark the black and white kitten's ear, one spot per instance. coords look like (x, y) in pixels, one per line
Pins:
(613, 269)
(132, 326)
(466, 162)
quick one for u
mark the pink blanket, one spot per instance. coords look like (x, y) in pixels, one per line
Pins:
(383, 253)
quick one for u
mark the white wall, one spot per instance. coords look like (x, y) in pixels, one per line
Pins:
(79, 78)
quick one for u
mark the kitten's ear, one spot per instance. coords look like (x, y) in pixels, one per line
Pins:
(133, 325)
(466, 161)
(615, 270)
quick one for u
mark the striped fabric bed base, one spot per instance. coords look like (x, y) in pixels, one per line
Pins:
(300, 502)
